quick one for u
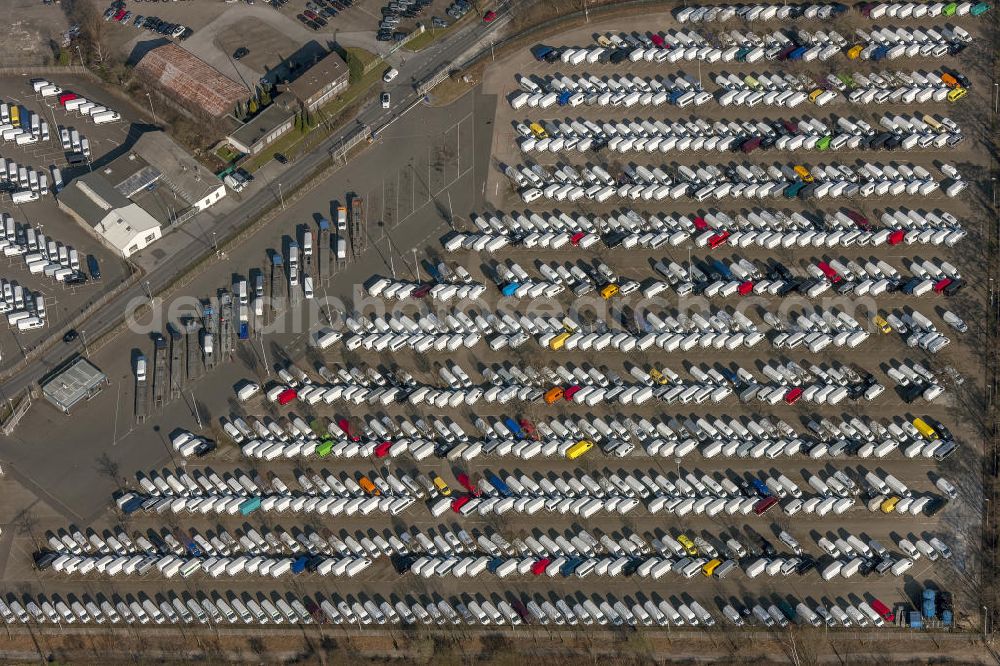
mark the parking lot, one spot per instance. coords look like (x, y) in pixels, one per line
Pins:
(513, 466)
(103, 142)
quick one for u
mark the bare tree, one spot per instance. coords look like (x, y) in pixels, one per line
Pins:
(110, 468)
(26, 523)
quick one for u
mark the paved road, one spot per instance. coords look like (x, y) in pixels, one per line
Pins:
(416, 67)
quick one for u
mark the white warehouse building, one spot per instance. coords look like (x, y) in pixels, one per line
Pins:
(118, 222)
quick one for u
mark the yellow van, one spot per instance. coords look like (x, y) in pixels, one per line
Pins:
(925, 430)
(932, 121)
(709, 567)
(609, 292)
(815, 93)
(689, 546)
(752, 82)
(956, 94)
(440, 485)
(538, 131)
(882, 324)
(855, 52)
(658, 376)
(579, 449)
(557, 342)
(889, 505)
(803, 173)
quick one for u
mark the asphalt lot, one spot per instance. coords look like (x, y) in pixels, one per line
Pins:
(426, 155)
(107, 422)
(106, 141)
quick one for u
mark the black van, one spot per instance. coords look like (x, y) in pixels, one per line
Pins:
(93, 267)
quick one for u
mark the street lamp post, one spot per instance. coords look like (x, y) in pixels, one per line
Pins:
(83, 335)
(281, 197)
(150, 99)
(80, 53)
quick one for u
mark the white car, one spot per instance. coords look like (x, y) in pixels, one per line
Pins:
(385, 100)
(390, 74)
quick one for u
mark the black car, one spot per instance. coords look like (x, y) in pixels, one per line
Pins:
(280, 159)
(241, 52)
(70, 336)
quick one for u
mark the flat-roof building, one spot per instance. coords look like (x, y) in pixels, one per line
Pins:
(76, 380)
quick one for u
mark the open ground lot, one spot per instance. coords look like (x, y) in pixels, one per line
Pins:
(430, 173)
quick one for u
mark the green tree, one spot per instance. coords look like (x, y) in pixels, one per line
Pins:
(252, 107)
(63, 58)
(265, 96)
(355, 68)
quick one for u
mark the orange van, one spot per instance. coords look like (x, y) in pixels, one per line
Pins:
(553, 395)
(369, 487)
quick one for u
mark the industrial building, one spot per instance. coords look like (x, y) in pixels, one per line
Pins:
(190, 81)
(118, 222)
(78, 379)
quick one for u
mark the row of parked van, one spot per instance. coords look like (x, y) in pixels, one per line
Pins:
(782, 89)
(394, 289)
(654, 135)
(867, 180)
(791, 44)
(169, 566)
(628, 229)
(275, 609)
(703, 13)
(903, 10)
(71, 101)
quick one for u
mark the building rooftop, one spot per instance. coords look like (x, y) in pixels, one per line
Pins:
(190, 80)
(264, 122)
(181, 172)
(92, 197)
(78, 380)
(318, 76)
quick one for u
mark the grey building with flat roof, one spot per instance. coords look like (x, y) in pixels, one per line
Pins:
(75, 381)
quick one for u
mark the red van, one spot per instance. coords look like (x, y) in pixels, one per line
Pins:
(538, 568)
(459, 502)
(896, 237)
(345, 425)
(287, 396)
(745, 288)
(793, 395)
(762, 506)
(882, 610)
(718, 239)
(830, 274)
